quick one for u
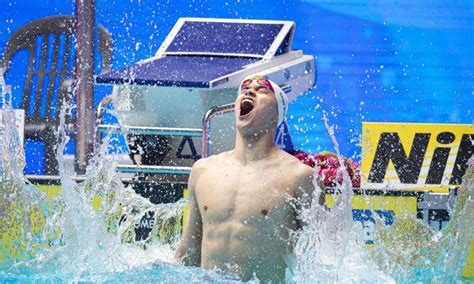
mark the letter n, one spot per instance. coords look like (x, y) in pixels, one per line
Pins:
(390, 148)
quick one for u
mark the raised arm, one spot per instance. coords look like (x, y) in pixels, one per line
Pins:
(189, 248)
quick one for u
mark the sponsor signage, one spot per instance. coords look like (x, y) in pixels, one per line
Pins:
(415, 156)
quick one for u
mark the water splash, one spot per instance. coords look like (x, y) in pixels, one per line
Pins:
(91, 247)
(330, 249)
(73, 240)
(80, 243)
(23, 208)
(411, 251)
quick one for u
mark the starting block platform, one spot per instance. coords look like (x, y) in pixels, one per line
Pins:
(193, 79)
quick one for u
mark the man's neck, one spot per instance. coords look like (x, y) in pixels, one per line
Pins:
(252, 148)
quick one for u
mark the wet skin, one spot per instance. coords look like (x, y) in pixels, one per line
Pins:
(243, 203)
(247, 229)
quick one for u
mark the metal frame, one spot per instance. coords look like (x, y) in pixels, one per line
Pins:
(206, 125)
(153, 169)
(101, 108)
(84, 76)
(144, 130)
(286, 29)
(180, 53)
(56, 180)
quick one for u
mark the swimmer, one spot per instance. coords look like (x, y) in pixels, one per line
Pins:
(244, 202)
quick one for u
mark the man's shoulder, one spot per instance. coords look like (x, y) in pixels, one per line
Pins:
(295, 166)
(207, 162)
(299, 175)
(198, 169)
(201, 163)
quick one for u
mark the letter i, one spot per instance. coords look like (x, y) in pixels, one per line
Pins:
(440, 158)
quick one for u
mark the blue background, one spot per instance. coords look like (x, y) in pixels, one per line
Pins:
(380, 61)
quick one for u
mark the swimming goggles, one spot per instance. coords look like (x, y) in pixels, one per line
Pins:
(260, 81)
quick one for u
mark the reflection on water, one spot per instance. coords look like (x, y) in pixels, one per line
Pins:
(66, 238)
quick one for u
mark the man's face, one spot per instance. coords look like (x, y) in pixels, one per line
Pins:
(255, 107)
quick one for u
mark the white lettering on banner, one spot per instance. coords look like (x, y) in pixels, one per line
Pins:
(368, 229)
(146, 222)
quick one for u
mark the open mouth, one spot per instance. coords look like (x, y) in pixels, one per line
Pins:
(246, 106)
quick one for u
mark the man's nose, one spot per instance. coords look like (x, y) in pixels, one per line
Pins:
(250, 92)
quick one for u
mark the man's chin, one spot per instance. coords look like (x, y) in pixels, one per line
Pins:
(245, 127)
(244, 121)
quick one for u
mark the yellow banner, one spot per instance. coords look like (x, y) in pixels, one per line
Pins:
(415, 156)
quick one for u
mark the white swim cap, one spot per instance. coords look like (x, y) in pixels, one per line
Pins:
(280, 95)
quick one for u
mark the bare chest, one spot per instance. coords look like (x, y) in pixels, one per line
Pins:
(248, 196)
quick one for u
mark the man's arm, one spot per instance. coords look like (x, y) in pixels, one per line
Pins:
(307, 192)
(189, 248)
